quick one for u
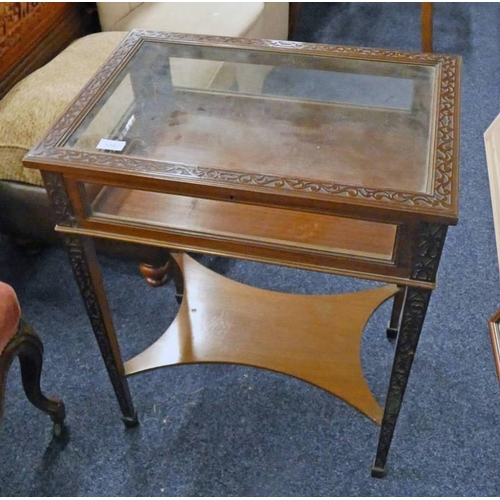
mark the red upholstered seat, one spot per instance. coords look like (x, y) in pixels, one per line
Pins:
(10, 313)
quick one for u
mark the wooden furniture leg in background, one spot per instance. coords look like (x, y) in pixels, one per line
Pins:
(426, 26)
(293, 17)
(397, 307)
(155, 276)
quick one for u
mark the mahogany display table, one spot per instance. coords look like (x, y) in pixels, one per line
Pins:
(325, 158)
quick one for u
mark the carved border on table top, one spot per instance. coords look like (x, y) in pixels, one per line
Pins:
(441, 199)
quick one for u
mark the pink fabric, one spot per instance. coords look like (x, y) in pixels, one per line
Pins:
(10, 312)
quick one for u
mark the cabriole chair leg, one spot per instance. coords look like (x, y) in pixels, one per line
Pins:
(28, 347)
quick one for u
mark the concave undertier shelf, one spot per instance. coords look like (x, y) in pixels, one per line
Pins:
(315, 338)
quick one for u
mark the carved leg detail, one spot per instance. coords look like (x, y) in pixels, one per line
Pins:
(393, 327)
(415, 307)
(88, 277)
(427, 26)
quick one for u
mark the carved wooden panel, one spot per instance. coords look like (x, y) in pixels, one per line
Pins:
(17, 19)
(32, 33)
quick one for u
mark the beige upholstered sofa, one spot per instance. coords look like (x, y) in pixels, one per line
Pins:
(29, 108)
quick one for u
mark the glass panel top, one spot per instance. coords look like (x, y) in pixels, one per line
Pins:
(329, 119)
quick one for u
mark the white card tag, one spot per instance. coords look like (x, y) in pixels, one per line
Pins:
(111, 145)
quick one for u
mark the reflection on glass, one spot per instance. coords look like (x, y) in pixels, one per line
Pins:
(319, 118)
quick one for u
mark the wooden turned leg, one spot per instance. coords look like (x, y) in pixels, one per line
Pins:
(28, 347)
(88, 277)
(156, 275)
(414, 311)
(393, 327)
(157, 266)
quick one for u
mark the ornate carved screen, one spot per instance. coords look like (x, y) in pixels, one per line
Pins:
(32, 33)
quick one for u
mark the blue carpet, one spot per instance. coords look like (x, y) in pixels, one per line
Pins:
(227, 430)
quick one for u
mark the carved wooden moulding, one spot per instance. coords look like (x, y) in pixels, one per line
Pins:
(32, 33)
(438, 201)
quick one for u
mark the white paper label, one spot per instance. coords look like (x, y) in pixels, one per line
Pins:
(111, 145)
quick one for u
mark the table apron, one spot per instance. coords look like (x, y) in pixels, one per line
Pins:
(341, 266)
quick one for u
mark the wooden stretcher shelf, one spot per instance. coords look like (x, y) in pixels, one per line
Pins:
(222, 321)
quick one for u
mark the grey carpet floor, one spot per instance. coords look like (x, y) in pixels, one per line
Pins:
(229, 430)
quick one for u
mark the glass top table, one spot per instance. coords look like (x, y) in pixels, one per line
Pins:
(370, 126)
(247, 111)
(327, 158)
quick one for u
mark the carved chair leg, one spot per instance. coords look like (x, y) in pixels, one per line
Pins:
(414, 311)
(28, 347)
(397, 307)
(83, 259)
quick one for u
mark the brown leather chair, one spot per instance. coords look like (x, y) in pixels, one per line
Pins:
(17, 339)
